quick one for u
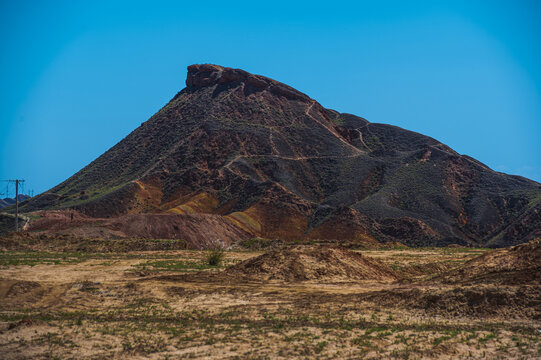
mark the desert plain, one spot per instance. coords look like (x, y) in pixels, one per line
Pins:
(67, 300)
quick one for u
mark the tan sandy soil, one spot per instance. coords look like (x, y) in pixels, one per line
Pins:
(151, 305)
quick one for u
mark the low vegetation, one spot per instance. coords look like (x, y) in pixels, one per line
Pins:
(215, 257)
(159, 304)
(255, 244)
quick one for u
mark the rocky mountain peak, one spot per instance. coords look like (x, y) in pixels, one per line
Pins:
(203, 75)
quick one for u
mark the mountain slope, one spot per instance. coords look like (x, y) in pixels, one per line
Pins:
(3, 203)
(11, 201)
(275, 163)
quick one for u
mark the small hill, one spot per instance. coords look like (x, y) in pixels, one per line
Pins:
(520, 264)
(310, 262)
(198, 231)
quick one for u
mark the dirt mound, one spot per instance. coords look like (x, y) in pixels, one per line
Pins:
(520, 264)
(484, 300)
(19, 292)
(311, 262)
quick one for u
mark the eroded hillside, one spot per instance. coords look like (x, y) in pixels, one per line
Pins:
(274, 163)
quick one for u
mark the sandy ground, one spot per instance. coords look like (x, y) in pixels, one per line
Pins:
(155, 305)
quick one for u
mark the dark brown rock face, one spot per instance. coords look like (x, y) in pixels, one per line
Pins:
(206, 75)
(275, 163)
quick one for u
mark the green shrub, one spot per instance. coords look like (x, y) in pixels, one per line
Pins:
(215, 256)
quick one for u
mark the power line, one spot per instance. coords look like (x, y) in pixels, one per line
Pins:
(16, 181)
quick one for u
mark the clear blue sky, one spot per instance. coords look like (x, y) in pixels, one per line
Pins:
(78, 76)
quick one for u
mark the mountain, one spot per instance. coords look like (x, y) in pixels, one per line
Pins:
(275, 163)
(11, 201)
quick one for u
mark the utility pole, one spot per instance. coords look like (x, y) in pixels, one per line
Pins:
(16, 205)
(17, 181)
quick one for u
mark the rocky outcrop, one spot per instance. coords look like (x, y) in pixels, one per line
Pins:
(206, 75)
